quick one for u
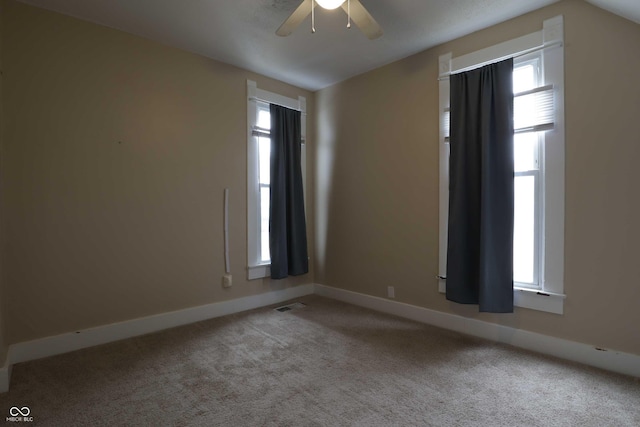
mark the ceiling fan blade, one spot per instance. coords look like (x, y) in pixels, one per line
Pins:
(295, 18)
(363, 19)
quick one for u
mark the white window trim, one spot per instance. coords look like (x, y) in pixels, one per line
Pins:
(550, 297)
(255, 268)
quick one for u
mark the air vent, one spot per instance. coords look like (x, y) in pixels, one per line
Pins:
(294, 306)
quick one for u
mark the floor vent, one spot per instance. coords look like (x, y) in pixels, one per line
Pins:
(294, 306)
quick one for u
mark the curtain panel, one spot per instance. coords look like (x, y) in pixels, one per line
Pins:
(287, 224)
(481, 186)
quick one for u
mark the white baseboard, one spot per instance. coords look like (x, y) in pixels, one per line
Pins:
(611, 360)
(63, 343)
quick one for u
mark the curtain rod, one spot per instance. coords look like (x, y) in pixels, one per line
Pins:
(518, 55)
(256, 99)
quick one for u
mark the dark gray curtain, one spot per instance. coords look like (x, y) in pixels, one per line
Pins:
(287, 226)
(480, 240)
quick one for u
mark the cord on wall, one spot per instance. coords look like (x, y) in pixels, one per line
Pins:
(227, 267)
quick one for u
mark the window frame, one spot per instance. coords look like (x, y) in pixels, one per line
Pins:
(549, 295)
(256, 268)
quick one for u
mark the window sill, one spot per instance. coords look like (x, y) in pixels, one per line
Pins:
(538, 300)
(258, 271)
(532, 299)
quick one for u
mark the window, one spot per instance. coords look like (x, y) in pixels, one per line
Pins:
(538, 256)
(258, 173)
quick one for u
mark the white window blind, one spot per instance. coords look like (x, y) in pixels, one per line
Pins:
(534, 111)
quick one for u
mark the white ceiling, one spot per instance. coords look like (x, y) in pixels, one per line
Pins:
(242, 32)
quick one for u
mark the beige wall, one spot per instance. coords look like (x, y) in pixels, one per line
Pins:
(377, 179)
(3, 348)
(117, 152)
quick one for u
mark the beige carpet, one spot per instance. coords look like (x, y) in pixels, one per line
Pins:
(328, 364)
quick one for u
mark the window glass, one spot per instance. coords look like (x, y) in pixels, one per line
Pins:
(264, 156)
(264, 224)
(264, 118)
(524, 77)
(526, 154)
(264, 160)
(524, 229)
(525, 151)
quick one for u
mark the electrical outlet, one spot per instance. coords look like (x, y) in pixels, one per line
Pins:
(226, 281)
(391, 292)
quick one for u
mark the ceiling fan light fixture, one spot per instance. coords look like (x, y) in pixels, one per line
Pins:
(330, 4)
(354, 9)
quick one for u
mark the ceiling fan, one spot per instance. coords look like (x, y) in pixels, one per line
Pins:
(354, 9)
